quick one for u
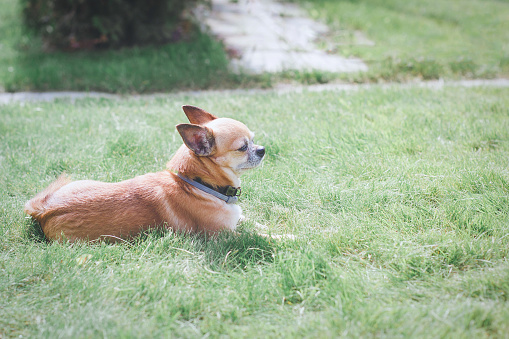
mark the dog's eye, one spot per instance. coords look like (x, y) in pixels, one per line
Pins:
(243, 148)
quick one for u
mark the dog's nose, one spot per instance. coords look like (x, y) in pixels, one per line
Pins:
(260, 151)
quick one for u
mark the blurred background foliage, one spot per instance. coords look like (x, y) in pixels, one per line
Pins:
(81, 24)
(136, 46)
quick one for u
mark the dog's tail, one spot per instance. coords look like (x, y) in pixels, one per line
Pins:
(35, 207)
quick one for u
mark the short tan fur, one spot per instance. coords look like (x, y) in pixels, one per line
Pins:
(215, 151)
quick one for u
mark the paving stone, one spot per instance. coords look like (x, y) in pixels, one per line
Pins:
(22, 97)
(271, 36)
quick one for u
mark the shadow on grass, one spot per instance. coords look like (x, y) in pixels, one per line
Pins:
(225, 251)
(33, 231)
(199, 63)
(231, 251)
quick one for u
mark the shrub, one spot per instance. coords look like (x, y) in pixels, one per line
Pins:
(87, 24)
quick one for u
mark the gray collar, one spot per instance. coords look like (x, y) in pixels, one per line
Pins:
(231, 195)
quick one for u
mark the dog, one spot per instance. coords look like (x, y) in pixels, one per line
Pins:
(197, 193)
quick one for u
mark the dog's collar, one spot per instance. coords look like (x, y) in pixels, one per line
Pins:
(228, 194)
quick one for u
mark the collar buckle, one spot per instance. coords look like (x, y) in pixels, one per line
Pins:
(233, 191)
(230, 197)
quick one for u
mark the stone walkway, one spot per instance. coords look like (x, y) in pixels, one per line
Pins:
(259, 35)
(264, 36)
(6, 98)
(270, 36)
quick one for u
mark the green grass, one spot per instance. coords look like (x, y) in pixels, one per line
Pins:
(413, 40)
(399, 199)
(419, 39)
(199, 63)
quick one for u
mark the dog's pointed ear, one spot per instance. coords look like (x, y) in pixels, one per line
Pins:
(199, 139)
(197, 116)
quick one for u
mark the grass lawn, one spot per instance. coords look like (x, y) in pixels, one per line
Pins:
(398, 198)
(423, 39)
(412, 39)
(195, 64)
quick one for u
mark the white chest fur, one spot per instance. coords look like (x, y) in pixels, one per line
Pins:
(235, 215)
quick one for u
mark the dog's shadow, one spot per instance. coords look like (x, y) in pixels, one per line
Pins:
(231, 251)
(225, 251)
(33, 231)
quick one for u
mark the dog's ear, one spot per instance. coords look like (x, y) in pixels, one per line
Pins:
(199, 139)
(197, 116)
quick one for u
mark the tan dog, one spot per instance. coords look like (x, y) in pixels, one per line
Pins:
(200, 197)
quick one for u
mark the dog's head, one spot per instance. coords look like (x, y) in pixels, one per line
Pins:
(227, 142)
